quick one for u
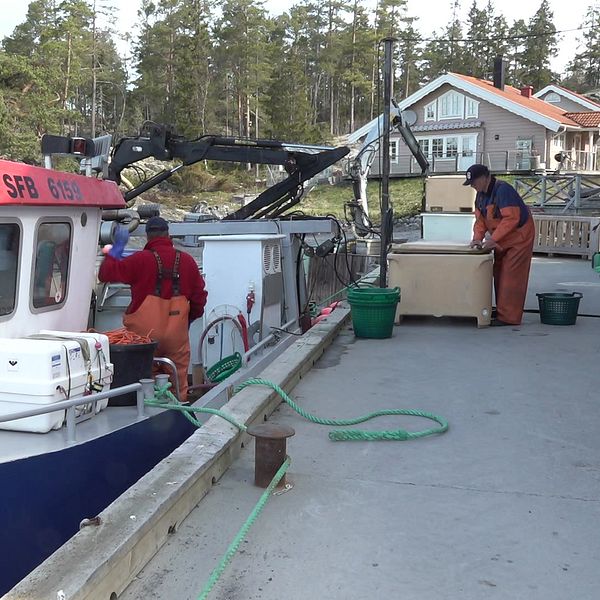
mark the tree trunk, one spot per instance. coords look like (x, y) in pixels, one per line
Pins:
(67, 81)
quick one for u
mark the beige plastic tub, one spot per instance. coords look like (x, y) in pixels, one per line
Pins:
(442, 279)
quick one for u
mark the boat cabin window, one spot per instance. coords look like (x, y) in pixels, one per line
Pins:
(10, 240)
(51, 264)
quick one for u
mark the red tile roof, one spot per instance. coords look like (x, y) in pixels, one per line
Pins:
(514, 95)
(585, 119)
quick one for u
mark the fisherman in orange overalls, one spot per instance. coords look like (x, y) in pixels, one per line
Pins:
(503, 222)
(167, 292)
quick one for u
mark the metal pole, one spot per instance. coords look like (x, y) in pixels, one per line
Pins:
(386, 216)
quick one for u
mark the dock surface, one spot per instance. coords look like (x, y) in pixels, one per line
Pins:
(505, 505)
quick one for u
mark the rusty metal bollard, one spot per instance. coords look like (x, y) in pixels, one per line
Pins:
(270, 451)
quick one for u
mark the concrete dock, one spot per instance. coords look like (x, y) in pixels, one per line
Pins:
(505, 505)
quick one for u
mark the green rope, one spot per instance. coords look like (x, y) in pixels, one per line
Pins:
(233, 547)
(359, 434)
(188, 411)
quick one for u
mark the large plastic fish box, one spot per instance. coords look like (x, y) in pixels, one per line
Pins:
(441, 227)
(442, 279)
(41, 372)
(446, 193)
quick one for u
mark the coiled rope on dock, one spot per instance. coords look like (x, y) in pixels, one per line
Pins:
(359, 434)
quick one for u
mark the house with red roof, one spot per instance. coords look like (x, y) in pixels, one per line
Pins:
(459, 120)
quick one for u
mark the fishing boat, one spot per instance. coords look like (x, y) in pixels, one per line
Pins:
(68, 447)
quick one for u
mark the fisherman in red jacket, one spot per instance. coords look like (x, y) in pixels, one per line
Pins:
(167, 292)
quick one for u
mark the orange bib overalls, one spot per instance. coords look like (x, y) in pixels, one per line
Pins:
(512, 260)
(166, 320)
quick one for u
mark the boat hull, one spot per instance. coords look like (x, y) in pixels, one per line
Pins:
(45, 497)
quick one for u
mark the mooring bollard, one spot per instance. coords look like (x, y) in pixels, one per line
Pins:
(270, 451)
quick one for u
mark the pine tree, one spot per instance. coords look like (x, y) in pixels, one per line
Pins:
(445, 53)
(515, 54)
(583, 72)
(242, 33)
(409, 58)
(540, 46)
(27, 108)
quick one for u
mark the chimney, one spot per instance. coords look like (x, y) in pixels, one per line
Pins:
(527, 91)
(499, 72)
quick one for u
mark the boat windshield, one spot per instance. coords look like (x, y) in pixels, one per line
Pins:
(10, 234)
(51, 264)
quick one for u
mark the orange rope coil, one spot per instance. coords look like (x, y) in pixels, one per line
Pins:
(124, 336)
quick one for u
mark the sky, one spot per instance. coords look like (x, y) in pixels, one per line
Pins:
(433, 16)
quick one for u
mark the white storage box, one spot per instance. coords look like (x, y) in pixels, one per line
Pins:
(38, 372)
(442, 280)
(455, 227)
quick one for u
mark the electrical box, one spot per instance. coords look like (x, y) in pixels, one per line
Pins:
(37, 372)
(244, 278)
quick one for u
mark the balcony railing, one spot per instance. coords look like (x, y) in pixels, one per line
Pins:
(498, 161)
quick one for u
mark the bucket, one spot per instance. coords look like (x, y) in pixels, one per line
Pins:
(559, 308)
(131, 362)
(373, 311)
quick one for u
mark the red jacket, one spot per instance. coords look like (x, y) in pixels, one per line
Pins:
(140, 271)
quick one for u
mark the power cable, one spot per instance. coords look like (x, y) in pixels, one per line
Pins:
(496, 38)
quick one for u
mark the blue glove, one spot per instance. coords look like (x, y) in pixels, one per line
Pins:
(120, 239)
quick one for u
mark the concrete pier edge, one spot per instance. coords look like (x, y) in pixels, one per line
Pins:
(100, 561)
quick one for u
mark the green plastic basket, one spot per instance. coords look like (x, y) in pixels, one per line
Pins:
(373, 311)
(559, 308)
(224, 368)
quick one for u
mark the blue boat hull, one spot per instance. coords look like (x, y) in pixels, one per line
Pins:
(45, 497)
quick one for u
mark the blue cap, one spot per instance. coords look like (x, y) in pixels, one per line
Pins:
(475, 171)
(156, 224)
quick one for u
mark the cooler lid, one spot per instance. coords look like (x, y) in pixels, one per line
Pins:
(435, 247)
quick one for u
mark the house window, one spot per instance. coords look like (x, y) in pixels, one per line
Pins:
(451, 146)
(10, 234)
(559, 141)
(553, 98)
(448, 147)
(51, 264)
(430, 112)
(452, 106)
(437, 147)
(394, 151)
(471, 108)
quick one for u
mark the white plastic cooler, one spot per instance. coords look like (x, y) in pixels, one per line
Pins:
(38, 372)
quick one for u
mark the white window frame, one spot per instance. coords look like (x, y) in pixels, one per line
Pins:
(553, 98)
(471, 108)
(451, 106)
(426, 144)
(433, 107)
(560, 141)
(33, 294)
(394, 151)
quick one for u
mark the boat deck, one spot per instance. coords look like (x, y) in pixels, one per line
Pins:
(503, 505)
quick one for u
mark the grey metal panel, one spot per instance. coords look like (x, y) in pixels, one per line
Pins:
(247, 227)
(272, 289)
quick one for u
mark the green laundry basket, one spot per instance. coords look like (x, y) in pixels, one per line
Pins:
(373, 311)
(559, 308)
